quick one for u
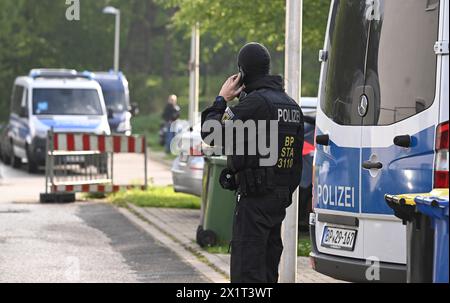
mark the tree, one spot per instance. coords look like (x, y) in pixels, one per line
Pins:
(232, 22)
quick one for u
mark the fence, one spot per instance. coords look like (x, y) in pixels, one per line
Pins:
(83, 163)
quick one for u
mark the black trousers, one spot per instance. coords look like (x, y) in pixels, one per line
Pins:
(256, 242)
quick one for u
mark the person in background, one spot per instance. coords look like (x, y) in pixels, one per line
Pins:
(171, 114)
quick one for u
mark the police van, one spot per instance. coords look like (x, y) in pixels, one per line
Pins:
(382, 127)
(117, 99)
(58, 99)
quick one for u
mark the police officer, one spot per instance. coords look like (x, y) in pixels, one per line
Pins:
(263, 193)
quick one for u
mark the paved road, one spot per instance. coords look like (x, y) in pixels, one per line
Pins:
(81, 242)
(19, 186)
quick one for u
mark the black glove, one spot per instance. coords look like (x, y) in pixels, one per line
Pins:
(227, 180)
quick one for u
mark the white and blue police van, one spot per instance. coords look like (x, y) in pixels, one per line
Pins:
(382, 127)
(58, 99)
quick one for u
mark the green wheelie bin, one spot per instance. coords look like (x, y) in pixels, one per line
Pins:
(217, 207)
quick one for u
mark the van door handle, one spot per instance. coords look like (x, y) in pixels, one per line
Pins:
(403, 141)
(372, 165)
(323, 140)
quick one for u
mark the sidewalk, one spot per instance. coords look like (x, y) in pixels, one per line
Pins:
(179, 226)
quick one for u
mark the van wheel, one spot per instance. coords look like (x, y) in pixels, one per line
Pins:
(15, 161)
(32, 165)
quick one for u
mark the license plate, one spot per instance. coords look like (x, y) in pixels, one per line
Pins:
(339, 238)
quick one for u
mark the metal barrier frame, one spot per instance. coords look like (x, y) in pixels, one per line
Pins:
(52, 194)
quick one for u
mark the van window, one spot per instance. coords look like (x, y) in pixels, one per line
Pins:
(66, 102)
(349, 29)
(115, 100)
(24, 105)
(16, 99)
(401, 64)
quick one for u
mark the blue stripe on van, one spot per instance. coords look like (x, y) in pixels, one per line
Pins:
(61, 125)
(23, 129)
(405, 170)
(337, 169)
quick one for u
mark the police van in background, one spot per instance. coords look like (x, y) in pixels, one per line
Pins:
(382, 127)
(117, 99)
(58, 99)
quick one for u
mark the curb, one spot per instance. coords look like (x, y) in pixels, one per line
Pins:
(196, 258)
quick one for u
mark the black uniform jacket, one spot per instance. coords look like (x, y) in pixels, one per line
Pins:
(267, 101)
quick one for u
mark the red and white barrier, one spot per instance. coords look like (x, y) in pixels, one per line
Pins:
(94, 188)
(101, 143)
(89, 176)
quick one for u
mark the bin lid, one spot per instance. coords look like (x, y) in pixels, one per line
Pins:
(435, 205)
(403, 206)
(222, 160)
(402, 199)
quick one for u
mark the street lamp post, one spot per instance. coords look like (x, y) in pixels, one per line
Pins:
(116, 12)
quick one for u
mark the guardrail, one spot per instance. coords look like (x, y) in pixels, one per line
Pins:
(83, 163)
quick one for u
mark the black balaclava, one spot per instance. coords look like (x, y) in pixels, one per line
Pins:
(254, 60)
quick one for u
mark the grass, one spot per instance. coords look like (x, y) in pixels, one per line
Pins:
(163, 197)
(218, 249)
(304, 245)
(303, 249)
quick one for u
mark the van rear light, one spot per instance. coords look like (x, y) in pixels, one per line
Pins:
(441, 178)
(196, 151)
(308, 149)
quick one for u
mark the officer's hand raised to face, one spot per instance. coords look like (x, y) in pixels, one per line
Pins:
(231, 89)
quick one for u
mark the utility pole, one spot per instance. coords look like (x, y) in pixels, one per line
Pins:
(293, 75)
(194, 76)
(110, 10)
(117, 43)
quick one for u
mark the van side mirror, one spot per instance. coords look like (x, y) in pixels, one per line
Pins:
(110, 113)
(134, 109)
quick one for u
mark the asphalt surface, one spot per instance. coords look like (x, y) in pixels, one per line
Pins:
(80, 242)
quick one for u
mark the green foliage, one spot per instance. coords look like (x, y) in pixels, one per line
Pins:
(303, 249)
(304, 246)
(161, 197)
(233, 22)
(154, 42)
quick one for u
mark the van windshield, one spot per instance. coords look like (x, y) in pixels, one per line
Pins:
(51, 101)
(115, 100)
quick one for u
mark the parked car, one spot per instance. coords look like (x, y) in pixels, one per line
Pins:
(382, 128)
(58, 99)
(305, 189)
(187, 168)
(117, 99)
